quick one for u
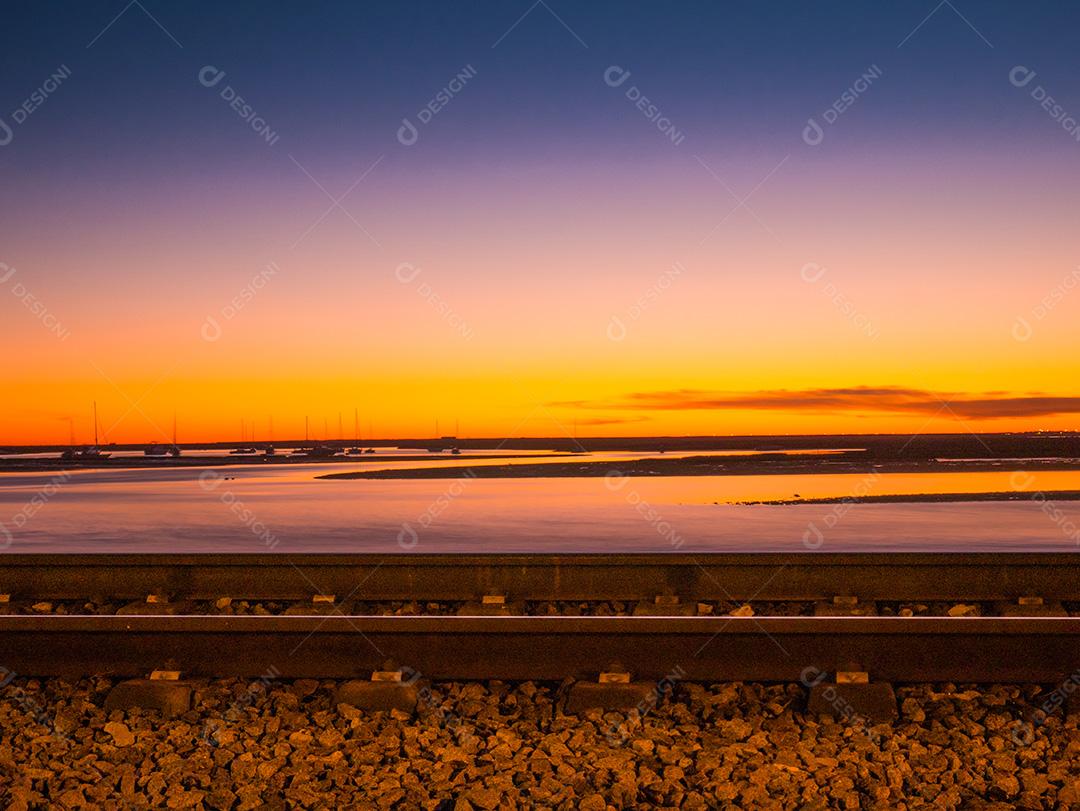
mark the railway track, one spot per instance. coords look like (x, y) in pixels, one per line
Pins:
(763, 576)
(547, 648)
(328, 641)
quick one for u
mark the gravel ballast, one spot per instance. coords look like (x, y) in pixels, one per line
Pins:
(271, 744)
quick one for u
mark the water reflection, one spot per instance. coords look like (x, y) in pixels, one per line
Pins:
(172, 510)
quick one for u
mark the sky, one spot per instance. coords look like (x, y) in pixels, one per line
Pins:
(510, 219)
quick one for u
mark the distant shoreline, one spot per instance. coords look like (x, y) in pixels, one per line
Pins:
(758, 465)
(16, 465)
(913, 498)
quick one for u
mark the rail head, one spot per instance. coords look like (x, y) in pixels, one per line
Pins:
(584, 577)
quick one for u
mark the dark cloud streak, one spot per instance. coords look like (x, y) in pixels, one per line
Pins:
(877, 399)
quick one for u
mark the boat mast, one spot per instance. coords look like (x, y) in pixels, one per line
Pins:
(95, 424)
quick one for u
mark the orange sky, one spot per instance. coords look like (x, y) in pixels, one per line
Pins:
(525, 300)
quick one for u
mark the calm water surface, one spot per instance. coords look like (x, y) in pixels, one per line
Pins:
(286, 509)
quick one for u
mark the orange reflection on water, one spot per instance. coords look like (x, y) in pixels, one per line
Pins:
(772, 487)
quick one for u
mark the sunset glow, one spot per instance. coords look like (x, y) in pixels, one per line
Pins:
(548, 266)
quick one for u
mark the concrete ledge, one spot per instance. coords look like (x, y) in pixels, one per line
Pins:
(622, 697)
(171, 698)
(378, 696)
(875, 703)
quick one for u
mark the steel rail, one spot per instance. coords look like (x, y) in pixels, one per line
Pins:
(760, 576)
(1045, 650)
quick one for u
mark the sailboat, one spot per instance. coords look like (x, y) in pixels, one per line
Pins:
(317, 450)
(158, 450)
(356, 450)
(91, 453)
(70, 452)
(245, 450)
(270, 450)
(175, 449)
